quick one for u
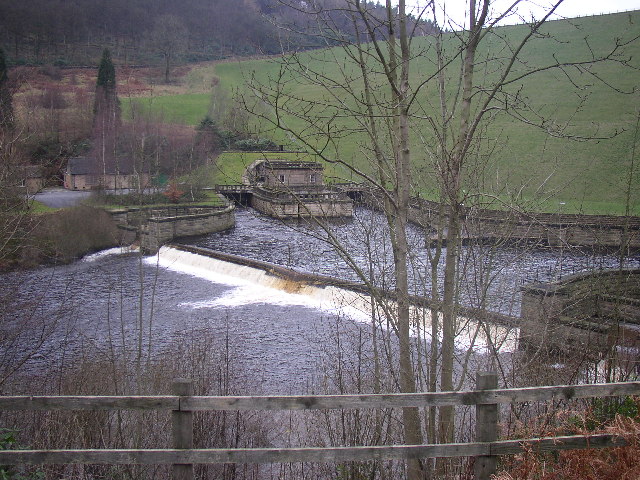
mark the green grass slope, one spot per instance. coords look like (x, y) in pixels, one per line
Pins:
(572, 175)
(526, 164)
(184, 109)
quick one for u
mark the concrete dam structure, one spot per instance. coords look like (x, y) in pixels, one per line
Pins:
(155, 226)
(289, 189)
(588, 312)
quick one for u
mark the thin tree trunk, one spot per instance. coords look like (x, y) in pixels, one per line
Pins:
(452, 185)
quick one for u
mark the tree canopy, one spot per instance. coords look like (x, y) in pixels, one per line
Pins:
(69, 32)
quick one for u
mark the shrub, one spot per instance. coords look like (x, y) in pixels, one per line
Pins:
(621, 463)
(260, 144)
(71, 233)
(173, 193)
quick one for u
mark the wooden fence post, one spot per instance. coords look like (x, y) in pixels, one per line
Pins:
(182, 428)
(486, 426)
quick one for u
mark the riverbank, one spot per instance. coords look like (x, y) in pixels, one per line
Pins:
(58, 237)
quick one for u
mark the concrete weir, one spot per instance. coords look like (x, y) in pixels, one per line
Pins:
(476, 331)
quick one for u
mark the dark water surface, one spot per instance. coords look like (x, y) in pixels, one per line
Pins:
(493, 275)
(99, 304)
(127, 303)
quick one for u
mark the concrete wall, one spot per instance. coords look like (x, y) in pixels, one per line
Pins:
(598, 231)
(589, 311)
(159, 230)
(157, 226)
(285, 205)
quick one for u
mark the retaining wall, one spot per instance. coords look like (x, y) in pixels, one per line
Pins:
(156, 226)
(478, 224)
(584, 311)
(598, 231)
(287, 205)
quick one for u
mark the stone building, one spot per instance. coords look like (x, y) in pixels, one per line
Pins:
(82, 173)
(31, 180)
(283, 174)
(284, 189)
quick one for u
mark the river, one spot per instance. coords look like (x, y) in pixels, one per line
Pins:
(279, 340)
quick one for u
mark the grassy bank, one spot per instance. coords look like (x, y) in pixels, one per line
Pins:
(190, 196)
(526, 164)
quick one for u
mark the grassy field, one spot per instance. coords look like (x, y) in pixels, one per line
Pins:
(184, 109)
(230, 166)
(526, 165)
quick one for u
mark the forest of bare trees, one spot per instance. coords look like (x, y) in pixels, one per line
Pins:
(76, 32)
(422, 115)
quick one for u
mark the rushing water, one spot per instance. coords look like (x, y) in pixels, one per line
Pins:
(112, 301)
(140, 305)
(492, 276)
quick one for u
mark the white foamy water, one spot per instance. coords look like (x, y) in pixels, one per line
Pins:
(110, 251)
(256, 286)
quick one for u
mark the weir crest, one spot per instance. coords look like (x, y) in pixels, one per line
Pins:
(254, 282)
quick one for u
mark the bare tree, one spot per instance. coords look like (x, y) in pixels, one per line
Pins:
(169, 38)
(365, 107)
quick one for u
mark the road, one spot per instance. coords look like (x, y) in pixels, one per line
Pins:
(60, 198)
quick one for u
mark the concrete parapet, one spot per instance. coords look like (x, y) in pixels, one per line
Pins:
(513, 226)
(156, 226)
(159, 230)
(320, 202)
(587, 312)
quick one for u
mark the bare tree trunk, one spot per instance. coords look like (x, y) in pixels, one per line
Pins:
(452, 186)
(411, 417)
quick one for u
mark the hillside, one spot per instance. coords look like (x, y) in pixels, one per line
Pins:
(518, 160)
(554, 174)
(141, 32)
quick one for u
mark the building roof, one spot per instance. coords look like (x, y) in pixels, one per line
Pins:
(88, 166)
(291, 165)
(79, 166)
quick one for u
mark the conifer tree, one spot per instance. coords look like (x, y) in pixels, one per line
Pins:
(106, 118)
(106, 96)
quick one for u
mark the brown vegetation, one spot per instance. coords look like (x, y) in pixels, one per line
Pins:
(621, 463)
(114, 371)
(65, 235)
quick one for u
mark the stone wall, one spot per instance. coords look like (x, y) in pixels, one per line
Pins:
(285, 205)
(587, 311)
(156, 226)
(598, 231)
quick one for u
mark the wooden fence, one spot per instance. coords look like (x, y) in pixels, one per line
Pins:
(182, 404)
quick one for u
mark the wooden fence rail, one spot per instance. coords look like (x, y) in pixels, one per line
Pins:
(182, 405)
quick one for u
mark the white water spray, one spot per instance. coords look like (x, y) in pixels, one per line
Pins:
(253, 286)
